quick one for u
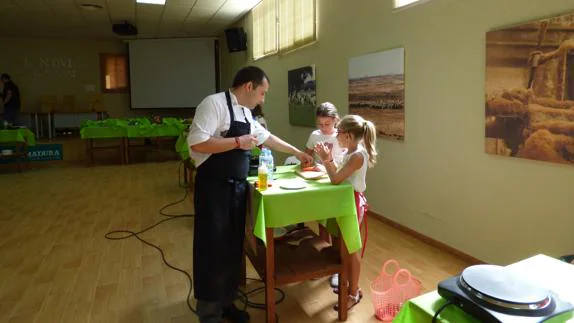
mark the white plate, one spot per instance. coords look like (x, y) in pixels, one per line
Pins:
(311, 174)
(293, 185)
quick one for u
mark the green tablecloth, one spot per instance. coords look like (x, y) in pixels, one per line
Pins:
(101, 129)
(319, 201)
(422, 309)
(18, 135)
(181, 146)
(131, 128)
(540, 270)
(102, 132)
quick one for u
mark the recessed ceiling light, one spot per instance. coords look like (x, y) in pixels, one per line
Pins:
(162, 2)
(91, 6)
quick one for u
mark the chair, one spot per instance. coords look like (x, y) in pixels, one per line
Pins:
(68, 104)
(96, 103)
(48, 103)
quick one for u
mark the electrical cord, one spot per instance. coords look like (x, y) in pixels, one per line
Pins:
(126, 234)
(435, 317)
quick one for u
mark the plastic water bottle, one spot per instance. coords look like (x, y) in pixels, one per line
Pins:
(271, 166)
(268, 161)
(262, 157)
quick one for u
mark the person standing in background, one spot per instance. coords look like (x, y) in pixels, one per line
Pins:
(326, 118)
(257, 113)
(10, 99)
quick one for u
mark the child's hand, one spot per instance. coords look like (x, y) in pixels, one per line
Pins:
(323, 151)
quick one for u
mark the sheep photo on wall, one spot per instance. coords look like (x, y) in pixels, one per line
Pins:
(302, 96)
(530, 90)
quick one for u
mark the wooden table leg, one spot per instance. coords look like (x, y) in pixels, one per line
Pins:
(343, 280)
(186, 171)
(26, 159)
(36, 127)
(191, 179)
(91, 151)
(160, 147)
(270, 276)
(19, 151)
(126, 150)
(324, 234)
(50, 133)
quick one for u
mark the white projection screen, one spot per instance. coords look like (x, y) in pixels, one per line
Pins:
(171, 73)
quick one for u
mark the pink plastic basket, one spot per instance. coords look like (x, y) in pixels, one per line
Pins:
(392, 289)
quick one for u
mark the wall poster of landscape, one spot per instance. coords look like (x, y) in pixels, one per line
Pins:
(529, 110)
(377, 90)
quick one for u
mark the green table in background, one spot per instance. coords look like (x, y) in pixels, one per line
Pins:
(104, 129)
(21, 139)
(181, 146)
(188, 164)
(125, 129)
(23, 135)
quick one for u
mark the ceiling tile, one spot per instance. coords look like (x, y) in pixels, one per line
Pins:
(122, 10)
(65, 18)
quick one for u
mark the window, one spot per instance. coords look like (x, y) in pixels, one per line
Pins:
(113, 73)
(404, 3)
(282, 25)
(296, 23)
(264, 29)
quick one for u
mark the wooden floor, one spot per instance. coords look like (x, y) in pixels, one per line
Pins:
(56, 265)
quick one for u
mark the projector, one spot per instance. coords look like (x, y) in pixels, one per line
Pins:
(125, 29)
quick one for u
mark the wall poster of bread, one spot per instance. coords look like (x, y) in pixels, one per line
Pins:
(377, 90)
(530, 90)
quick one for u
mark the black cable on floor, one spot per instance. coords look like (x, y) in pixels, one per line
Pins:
(126, 234)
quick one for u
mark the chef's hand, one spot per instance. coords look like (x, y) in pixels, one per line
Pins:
(247, 142)
(306, 164)
(304, 158)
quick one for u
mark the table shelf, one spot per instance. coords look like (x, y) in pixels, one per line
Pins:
(313, 258)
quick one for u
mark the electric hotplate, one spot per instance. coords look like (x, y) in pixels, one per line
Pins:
(492, 293)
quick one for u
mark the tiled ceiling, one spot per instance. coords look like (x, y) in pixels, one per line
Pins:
(67, 18)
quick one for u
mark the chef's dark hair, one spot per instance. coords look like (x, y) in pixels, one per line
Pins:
(251, 74)
(5, 77)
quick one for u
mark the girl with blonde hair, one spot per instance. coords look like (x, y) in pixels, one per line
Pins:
(359, 137)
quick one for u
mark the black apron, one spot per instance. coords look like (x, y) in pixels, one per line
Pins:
(220, 205)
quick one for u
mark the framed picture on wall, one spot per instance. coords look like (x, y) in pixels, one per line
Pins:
(529, 110)
(302, 96)
(377, 90)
